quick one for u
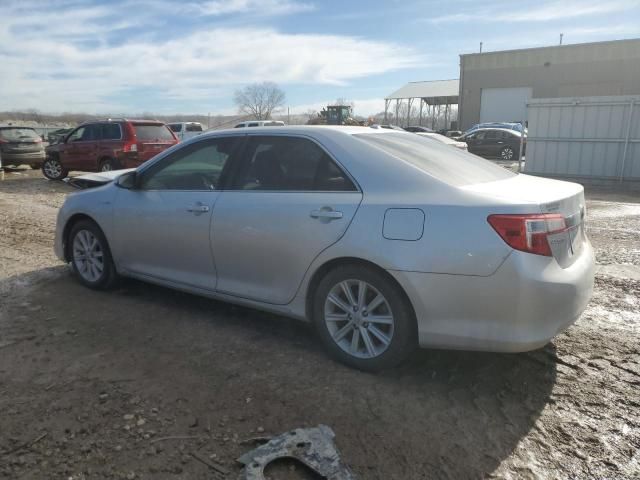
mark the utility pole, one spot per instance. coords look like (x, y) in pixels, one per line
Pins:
(480, 47)
(208, 120)
(561, 35)
(288, 117)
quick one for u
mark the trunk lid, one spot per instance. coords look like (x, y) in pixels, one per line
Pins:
(552, 197)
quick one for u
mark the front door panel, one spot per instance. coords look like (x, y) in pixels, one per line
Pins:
(165, 234)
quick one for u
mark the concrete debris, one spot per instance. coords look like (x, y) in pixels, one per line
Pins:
(313, 447)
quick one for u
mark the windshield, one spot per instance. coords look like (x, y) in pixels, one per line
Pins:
(152, 132)
(447, 164)
(18, 134)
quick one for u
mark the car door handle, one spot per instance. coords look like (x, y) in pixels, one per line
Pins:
(198, 208)
(325, 213)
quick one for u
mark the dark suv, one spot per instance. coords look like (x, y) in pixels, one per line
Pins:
(20, 145)
(107, 145)
(499, 143)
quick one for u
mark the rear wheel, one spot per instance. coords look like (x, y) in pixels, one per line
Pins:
(52, 169)
(363, 318)
(108, 164)
(90, 256)
(506, 153)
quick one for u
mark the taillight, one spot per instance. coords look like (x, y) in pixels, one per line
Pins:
(130, 147)
(528, 233)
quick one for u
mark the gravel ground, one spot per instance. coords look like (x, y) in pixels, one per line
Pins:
(144, 382)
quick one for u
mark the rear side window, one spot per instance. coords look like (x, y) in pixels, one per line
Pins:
(111, 131)
(17, 134)
(449, 165)
(288, 164)
(194, 127)
(152, 132)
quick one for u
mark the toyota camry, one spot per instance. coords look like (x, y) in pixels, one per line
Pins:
(384, 240)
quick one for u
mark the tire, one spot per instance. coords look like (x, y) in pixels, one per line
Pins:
(86, 240)
(381, 343)
(52, 169)
(507, 153)
(109, 164)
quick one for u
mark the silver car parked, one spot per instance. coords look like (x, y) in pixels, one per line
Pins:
(383, 239)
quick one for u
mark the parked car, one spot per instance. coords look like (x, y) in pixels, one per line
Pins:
(20, 146)
(418, 129)
(185, 130)
(508, 125)
(383, 239)
(58, 135)
(442, 139)
(495, 143)
(388, 127)
(260, 123)
(107, 145)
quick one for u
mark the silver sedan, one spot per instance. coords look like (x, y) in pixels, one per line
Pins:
(383, 239)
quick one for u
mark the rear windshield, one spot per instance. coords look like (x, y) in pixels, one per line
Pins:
(152, 132)
(18, 134)
(444, 162)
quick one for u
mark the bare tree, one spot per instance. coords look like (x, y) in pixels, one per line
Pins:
(259, 100)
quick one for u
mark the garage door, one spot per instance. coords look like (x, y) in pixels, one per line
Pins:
(504, 104)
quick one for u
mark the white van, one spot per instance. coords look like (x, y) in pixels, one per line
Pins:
(185, 130)
(260, 123)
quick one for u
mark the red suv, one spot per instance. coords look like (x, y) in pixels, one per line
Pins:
(107, 145)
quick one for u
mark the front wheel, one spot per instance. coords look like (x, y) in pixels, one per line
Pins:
(52, 169)
(90, 256)
(363, 318)
(507, 153)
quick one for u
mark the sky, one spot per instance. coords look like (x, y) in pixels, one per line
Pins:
(186, 56)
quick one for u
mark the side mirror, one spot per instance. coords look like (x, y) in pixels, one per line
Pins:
(128, 180)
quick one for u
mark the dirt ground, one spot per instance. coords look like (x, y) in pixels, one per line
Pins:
(145, 382)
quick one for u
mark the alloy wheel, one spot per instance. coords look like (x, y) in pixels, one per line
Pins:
(359, 318)
(53, 168)
(106, 167)
(506, 154)
(88, 256)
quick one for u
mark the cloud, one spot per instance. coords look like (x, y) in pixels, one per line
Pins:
(74, 64)
(262, 7)
(541, 12)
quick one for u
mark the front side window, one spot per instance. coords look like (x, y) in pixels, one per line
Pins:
(196, 167)
(175, 127)
(281, 163)
(252, 125)
(194, 127)
(77, 134)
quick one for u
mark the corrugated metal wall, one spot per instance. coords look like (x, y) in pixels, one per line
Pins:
(597, 137)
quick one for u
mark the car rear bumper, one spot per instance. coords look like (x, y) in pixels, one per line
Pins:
(31, 158)
(524, 304)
